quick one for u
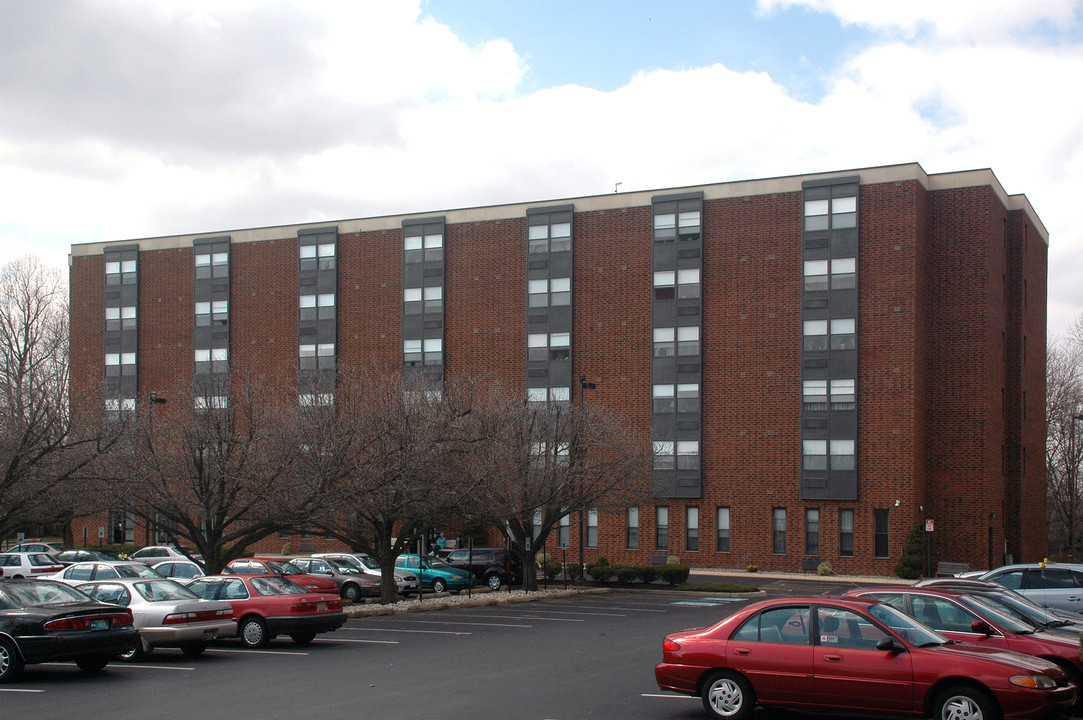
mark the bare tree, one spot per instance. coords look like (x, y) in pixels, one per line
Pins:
(216, 474)
(48, 457)
(388, 459)
(549, 460)
(1064, 440)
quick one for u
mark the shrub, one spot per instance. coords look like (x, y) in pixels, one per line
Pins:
(674, 574)
(673, 560)
(287, 549)
(602, 560)
(824, 568)
(552, 569)
(752, 568)
(601, 573)
(541, 558)
(648, 573)
(912, 561)
(573, 570)
(626, 573)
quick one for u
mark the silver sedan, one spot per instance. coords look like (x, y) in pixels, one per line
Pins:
(166, 614)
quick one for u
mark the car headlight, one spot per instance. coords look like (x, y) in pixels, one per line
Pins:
(1038, 682)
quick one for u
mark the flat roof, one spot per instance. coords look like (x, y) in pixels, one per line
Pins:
(610, 201)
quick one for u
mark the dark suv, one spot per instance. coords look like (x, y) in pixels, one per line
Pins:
(496, 566)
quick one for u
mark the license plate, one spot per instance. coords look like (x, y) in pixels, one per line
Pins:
(321, 606)
(210, 634)
(99, 624)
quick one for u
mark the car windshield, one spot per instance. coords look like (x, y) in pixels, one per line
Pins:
(343, 567)
(284, 568)
(277, 586)
(136, 571)
(163, 590)
(996, 614)
(41, 593)
(905, 626)
(368, 562)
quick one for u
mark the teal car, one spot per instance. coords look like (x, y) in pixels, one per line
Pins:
(435, 574)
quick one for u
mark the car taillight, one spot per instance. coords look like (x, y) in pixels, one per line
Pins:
(87, 622)
(308, 606)
(201, 616)
(670, 646)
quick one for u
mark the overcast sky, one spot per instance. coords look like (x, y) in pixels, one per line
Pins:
(127, 118)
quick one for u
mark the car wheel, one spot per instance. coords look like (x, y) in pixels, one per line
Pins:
(351, 592)
(961, 702)
(493, 581)
(10, 662)
(92, 664)
(302, 638)
(253, 633)
(728, 695)
(192, 650)
(438, 585)
(136, 653)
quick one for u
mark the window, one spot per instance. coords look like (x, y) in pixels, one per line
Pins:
(115, 406)
(688, 455)
(814, 394)
(814, 454)
(537, 395)
(842, 394)
(212, 313)
(215, 402)
(843, 273)
(815, 334)
(434, 299)
(880, 533)
(664, 399)
(837, 213)
(723, 529)
(315, 399)
(665, 225)
(411, 301)
(846, 533)
(812, 531)
(211, 360)
(306, 305)
(842, 454)
(418, 300)
(212, 265)
(429, 351)
(691, 541)
(120, 272)
(546, 292)
(661, 534)
(418, 248)
(120, 318)
(633, 528)
(560, 235)
(433, 349)
(816, 275)
(688, 341)
(320, 256)
(663, 342)
(537, 239)
(665, 285)
(592, 528)
(542, 395)
(565, 533)
(843, 334)
(555, 346)
(664, 458)
(117, 364)
(680, 283)
(543, 454)
(778, 527)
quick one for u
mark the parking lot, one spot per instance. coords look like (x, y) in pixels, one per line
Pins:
(588, 656)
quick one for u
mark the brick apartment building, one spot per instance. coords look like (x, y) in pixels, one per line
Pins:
(822, 361)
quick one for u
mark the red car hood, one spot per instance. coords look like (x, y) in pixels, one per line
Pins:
(1007, 657)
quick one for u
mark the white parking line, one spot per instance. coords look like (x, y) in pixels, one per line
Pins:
(256, 652)
(533, 617)
(571, 612)
(430, 632)
(14, 690)
(671, 697)
(474, 624)
(351, 640)
(626, 609)
(118, 666)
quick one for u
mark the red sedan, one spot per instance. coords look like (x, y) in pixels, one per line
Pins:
(266, 606)
(853, 656)
(283, 567)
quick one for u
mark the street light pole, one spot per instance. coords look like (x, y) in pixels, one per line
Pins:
(1073, 473)
(583, 387)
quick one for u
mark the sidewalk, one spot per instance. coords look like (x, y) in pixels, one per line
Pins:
(742, 577)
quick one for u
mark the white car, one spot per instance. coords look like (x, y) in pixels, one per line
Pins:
(155, 553)
(104, 570)
(405, 582)
(28, 564)
(179, 569)
(166, 614)
(36, 547)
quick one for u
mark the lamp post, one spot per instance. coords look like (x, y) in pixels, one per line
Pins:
(583, 387)
(1073, 472)
(151, 402)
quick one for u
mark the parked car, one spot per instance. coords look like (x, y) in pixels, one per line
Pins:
(179, 569)
(1020, 606)
(265, 606)
(166, 614)
(853, 656)
(46, 621)
(435, 574)
(406, 582)
(1057, 585)
(352, 583)
(36, 546)
(18, 565)
(970, 618)
(70, 557)
(104, 570)
(282, 566)
(494, 566)
(154, 553)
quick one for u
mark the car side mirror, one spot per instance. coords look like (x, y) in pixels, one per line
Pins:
(889, 644)
(981, 628)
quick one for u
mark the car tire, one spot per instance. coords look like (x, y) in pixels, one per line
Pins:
(964, 701)
(728, 695)
(493, 581)
(302, 638)
(194, 649)
(93, 664)
(438, 585)
(137, 653)
(10, 662)
(253, 633)
(351, 592)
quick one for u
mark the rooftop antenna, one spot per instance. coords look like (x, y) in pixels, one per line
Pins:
(616, 188)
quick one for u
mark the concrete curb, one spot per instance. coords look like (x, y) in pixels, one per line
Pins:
(480, 598)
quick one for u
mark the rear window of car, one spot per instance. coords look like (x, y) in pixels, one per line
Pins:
(10, 560)
(41, 560)
(277, 586)
(161, 591)
(37, 594)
